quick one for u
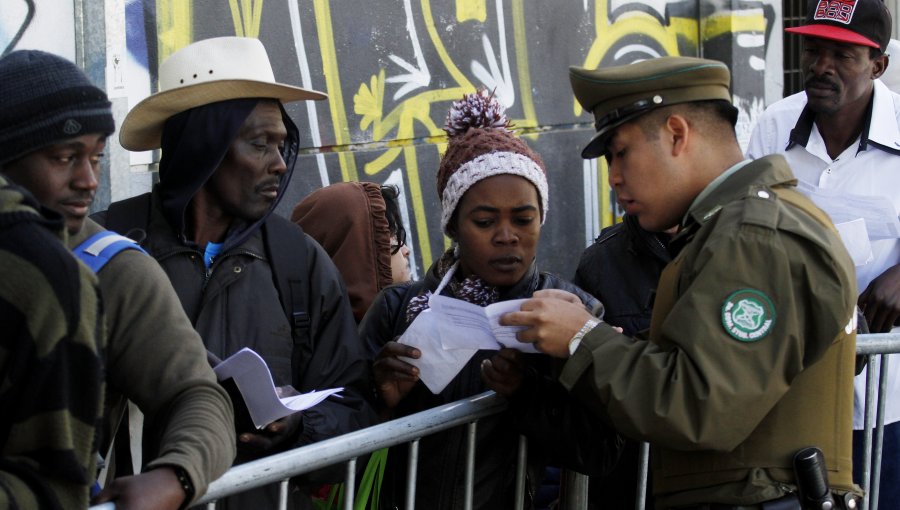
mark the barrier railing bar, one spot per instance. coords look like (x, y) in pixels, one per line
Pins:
(283, 487)
(412, 473)
(469, 486)
(280, 467)
(640, 501)
(338, 449)
(350, 484)
(521, 461)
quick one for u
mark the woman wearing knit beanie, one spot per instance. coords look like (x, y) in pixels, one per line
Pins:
(493, 191)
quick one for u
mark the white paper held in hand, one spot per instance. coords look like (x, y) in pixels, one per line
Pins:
(437, 366)
(252, 377)
(464, 325)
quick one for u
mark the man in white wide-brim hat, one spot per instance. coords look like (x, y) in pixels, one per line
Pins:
(246, 277)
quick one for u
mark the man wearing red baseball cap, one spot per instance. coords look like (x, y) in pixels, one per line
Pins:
(841, 137)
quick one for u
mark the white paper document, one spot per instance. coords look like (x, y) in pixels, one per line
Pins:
(252, 377)
(437, 366)
(463, 325)
(856, 238)
(881, 221)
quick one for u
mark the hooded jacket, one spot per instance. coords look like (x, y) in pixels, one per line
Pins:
(349, 220)
(235, 303)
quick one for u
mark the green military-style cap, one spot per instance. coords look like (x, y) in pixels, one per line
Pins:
(616, 95)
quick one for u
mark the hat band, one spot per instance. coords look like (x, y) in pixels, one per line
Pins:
(630, 110)
(489, 165)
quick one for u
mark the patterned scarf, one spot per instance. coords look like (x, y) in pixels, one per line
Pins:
(471, 289)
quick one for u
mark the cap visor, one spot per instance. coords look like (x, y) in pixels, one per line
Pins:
(833, 33)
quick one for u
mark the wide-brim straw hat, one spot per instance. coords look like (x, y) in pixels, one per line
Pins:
(202, 73)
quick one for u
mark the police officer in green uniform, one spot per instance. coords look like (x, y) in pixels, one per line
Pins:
(750, 353)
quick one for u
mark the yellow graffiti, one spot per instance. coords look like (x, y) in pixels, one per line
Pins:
(471, 10)
(175, 26)
(521, 46)
(246, 15)
(397, 126)
(666, 37)
(325, 28)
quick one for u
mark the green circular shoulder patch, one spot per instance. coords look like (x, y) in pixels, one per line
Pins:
(748, 315)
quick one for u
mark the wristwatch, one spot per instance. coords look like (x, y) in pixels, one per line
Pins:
(576, 339)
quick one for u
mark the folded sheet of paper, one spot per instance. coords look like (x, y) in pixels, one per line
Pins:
(462, 325)
(252, 377)
(881, 221)
(437, 366)
(450, 332)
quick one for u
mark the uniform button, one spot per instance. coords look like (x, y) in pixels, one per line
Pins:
(762, 194)
(828, 171)
(237, 269)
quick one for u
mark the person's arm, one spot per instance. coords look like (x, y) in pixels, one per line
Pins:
(157, 360)
(337, 359)
(51, 366)
(697, 387)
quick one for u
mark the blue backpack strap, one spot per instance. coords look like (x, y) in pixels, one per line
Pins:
(98, 249)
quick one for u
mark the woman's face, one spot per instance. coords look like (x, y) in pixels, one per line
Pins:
(497, 226)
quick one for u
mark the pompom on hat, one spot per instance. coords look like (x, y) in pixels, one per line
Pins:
(205, 72)
(482, 145)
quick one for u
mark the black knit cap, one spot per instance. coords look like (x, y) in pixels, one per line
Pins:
(45, 99)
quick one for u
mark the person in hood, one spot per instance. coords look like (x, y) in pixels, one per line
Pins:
(359, 225)
(228, 150)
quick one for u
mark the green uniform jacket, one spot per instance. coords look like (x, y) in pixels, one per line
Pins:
(751, 348)
(158, 361)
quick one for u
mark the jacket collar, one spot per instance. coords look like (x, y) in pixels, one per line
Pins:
(767, 172)
(879, 128)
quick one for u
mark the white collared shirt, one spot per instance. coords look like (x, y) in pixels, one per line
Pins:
(874, 171)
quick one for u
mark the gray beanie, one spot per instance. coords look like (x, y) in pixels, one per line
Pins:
(45, 99)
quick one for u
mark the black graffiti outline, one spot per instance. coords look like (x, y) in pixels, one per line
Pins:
(15, 40)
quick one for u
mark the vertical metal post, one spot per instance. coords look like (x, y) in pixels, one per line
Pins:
(576, 490)
(471, 428)
(643, 468)
(211, 506)
(283, 487)
(521, 463)
(350, 484)
(411, 471)
(867, 428)
(879, 432)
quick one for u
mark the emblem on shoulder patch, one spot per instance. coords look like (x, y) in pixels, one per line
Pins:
(748, 315)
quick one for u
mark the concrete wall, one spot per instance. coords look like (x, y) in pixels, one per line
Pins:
(392, 68)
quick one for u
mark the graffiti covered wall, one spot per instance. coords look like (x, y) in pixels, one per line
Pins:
(391, 69)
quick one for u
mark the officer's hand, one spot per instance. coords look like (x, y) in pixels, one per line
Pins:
(550, 323)
(157, 489)
(504, 372)
(394, 378)
(276, 436)
(880, 302)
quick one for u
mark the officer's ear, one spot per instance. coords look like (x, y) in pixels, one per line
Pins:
(677, 132)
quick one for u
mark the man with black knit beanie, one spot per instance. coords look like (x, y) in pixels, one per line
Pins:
(53, 128)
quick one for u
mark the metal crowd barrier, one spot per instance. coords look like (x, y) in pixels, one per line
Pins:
(348, 447)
